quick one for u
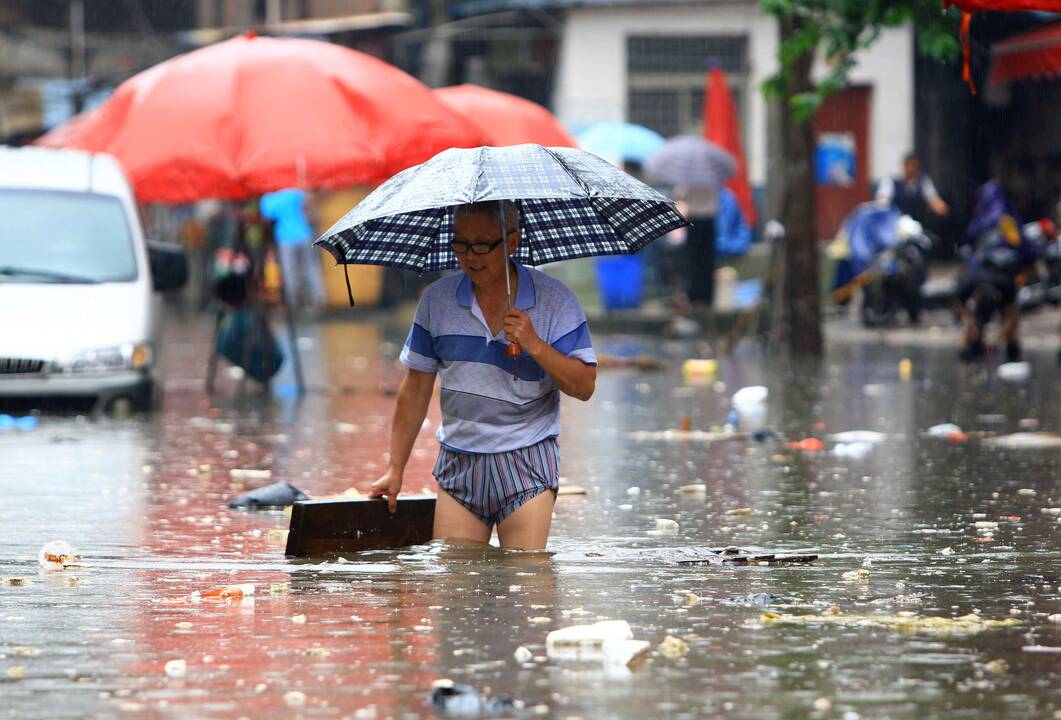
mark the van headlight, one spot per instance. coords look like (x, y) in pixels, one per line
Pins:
(128, 356)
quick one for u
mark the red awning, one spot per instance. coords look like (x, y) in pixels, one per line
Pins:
(1028, 55)
(993, 5)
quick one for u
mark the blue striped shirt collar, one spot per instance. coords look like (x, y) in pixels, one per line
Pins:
(525, 297)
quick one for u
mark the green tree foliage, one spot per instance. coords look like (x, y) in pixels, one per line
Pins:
(840, 28)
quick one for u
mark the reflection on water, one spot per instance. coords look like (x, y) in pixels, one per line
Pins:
(940, 529)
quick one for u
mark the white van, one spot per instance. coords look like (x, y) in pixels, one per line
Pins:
(78, 316)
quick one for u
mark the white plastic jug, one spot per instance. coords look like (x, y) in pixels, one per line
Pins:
(750, 405)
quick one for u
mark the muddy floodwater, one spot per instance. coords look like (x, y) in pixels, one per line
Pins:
(913, 535)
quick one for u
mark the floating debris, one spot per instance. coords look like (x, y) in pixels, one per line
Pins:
(228, 593)
(451, 700)
(807, 445)
(624, 653)
(859, 436)
(176, 668)
(903, 622)
(853, 450)
(58, 555)
(759, 600)
(949, 432)
(694, 489)
(673, 647)
(1026, 441)
(693, 435)
(581, 642)
(523, 655)
(996, 667)
(1014, 371)
(295, 699)
(666, 525)
(249, 474)
(279, 494)
(571, 490)
(735, 556)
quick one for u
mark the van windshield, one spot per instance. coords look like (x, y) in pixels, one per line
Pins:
(65, 237)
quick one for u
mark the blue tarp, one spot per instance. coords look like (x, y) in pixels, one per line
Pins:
(870, 230)
(732, 234)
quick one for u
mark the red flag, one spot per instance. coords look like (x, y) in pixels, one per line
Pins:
(721, 127)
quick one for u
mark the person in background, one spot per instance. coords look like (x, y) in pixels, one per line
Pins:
(702, 207)
(999, 262)
(913, 193)
(294, 234)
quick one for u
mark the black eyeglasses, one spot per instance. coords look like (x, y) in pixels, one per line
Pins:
(479, 248)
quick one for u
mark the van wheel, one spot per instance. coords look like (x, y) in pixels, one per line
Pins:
(148, 398)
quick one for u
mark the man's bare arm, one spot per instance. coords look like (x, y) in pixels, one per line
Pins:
(414, 396)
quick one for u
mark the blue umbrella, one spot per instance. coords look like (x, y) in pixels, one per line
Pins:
(572, 205)
(691, 161)
(619, 141)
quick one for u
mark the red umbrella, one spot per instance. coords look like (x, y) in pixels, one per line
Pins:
(255, 114)
(721, 127)
(506, 119)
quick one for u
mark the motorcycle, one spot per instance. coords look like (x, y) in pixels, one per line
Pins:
(900, 271)
(886, 260)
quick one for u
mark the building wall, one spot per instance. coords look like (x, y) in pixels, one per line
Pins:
(592, 83)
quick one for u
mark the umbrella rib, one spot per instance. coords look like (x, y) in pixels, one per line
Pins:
(562, 164)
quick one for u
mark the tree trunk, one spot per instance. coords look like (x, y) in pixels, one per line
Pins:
(801, 308)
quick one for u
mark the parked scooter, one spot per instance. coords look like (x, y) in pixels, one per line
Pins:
(1045, 286)
(900, 271)
(886, 256)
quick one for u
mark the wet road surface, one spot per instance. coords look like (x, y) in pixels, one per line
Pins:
(939, 529)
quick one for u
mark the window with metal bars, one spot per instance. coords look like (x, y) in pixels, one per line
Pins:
(665, 78)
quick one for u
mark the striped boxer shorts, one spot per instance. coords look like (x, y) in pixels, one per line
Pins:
(494, 485)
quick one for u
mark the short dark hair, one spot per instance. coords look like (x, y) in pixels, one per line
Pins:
(489, 208)
(911, 157)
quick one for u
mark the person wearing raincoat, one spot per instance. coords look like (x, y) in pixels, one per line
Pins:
(999, 260)
(498, 464)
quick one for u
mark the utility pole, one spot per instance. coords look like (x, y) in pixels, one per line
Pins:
(78, 60)
(273, 14)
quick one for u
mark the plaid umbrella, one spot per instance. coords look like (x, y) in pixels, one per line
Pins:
(691, 161)
(572, 204)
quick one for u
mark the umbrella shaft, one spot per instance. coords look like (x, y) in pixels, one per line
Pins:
(513, 348)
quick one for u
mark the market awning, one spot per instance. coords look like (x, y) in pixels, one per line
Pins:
(1029, 55)
(1009, 5)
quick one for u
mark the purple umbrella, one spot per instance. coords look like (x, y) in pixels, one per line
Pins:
(692, 162)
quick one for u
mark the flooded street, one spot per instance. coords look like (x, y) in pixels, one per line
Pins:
(921, 527)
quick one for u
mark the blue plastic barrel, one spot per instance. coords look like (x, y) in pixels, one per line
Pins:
(622, 281)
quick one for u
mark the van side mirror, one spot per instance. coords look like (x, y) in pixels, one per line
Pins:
(169, 266)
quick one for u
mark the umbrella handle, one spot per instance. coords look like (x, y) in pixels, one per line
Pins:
(513, 350)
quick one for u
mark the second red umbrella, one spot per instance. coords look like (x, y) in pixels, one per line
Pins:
(506, 119)
(253, 114)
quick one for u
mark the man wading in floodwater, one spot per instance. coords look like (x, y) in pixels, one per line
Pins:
(499, 462)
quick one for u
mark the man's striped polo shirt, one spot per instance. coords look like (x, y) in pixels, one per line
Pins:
(484, 408)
